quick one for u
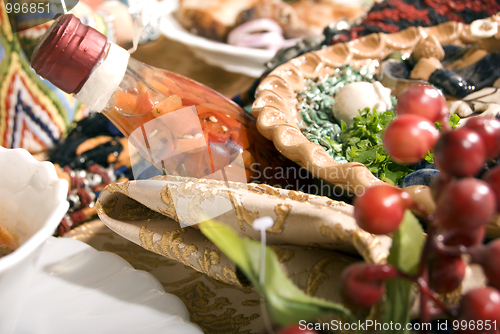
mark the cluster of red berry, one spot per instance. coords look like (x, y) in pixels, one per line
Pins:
(466, 200)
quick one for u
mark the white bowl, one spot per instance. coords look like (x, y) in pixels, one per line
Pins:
(248, 61)
(32, 203)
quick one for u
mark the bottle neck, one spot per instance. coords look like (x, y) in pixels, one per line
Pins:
(105, 78)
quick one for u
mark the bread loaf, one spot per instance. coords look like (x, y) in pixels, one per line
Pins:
(214, 19)
(211, 18)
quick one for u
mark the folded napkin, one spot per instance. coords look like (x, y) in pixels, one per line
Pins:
(300, 219)
(314, 237)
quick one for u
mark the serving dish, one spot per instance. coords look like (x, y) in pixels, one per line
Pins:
(276, 103)
(77, 289)
(242, 60)
(275, 106)
(32, 203)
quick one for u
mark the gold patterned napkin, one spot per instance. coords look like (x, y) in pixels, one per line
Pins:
(314, 237)
(300, 219)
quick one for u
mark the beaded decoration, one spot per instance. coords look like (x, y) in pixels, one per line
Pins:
(93, 155)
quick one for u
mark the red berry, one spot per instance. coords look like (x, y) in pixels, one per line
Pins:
(446, 273)
(489, 260)
(470, 237)
(466, 204)
(460, 153)
(480, 304)
(488, 129)
(409, 137)
(424, 101)
(493, 179)
(381, 208)
(363, 283)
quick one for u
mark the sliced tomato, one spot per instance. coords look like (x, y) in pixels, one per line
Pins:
(216, 122)
(144, 103)
(220, 113)
(170, 84)
(126, 102)
(192, 99)
(218, 131)
(160, 87)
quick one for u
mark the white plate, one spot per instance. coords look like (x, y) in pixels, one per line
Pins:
(78, 290)
(231, 58)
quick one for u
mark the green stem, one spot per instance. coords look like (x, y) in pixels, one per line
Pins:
(424, 289)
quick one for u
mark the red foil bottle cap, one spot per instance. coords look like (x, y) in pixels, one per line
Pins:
(67, 53)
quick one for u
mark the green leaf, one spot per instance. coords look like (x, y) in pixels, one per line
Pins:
(407, 244)
(362, 142)
(381, 157)
(395, 171)
(454, 120)
(334, 145)
(286, 303)
(353, 141)
(429, 157)
(365, 156)
(343, 126)
(228, 242)
(397, 306)
(386, 179)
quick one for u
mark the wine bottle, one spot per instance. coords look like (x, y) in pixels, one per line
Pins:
(180, 126)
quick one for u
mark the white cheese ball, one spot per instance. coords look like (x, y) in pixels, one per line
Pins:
(359, 95)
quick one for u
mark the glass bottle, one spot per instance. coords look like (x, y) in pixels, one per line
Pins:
(180, 126)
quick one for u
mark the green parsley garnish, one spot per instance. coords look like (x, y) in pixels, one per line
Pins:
(454, 120)
(362, 142)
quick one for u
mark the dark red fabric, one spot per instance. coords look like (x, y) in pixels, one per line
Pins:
(394, 15)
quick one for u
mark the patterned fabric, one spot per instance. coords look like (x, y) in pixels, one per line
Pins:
(330, 224)
(37, 116)
(33, 114)
(313, 255)
(93, 155)
(394, 15)
(217, 296)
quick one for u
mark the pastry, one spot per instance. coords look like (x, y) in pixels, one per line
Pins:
(215, 19)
